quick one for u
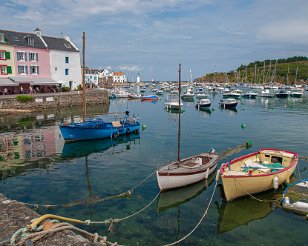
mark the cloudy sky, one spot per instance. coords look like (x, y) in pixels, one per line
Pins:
(152, 36)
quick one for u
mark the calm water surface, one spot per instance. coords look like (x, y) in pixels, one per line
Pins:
(37, 167)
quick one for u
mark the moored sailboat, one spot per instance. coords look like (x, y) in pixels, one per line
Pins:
(96, 128)
(186, 171)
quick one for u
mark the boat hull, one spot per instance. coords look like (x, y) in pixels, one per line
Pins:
(228, 105)
(239, 185)
(172, 180)
(71, 133)
(203, 106)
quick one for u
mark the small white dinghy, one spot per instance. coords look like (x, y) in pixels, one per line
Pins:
(186, 172)
(295, 197)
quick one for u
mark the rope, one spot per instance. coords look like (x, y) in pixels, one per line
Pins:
(111, 221)
(38, 235)
(90, 200)
(129, 216)
(197, 225)
(141, 182)
(258, 199)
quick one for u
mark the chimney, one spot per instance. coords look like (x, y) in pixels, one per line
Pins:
(38, 32)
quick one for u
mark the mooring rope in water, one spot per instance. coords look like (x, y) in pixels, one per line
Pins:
(110, 221)
(35, 235)
(126, 194)
(197, 225)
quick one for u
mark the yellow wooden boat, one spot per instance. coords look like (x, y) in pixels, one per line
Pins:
(257, 172)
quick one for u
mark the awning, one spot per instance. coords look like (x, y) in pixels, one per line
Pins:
(35, 81)
(7, 82)
(44, 81)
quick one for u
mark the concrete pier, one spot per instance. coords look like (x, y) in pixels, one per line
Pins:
(15, 215)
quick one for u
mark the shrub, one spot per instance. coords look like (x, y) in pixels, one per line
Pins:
(65, 89)
(24, 98)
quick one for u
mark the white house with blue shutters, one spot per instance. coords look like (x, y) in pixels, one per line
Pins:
(64, 61)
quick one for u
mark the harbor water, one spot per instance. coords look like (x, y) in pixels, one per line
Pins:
(37, 167)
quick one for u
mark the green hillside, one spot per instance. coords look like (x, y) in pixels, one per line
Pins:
(246, 73)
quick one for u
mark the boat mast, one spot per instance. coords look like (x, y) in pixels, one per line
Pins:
(288, 74)
(179, 126)
(296, 72)
(83, 85)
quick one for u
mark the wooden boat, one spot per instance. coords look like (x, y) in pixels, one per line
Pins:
(228, 103)
(96, 128)
(186, 171)
(203, 104)
(295, 197)
(257, 172)
(149, 98)
(174, 198)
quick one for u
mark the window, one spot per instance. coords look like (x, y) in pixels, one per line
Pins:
(3, 70)
(33, 56)
(30, 40)
(34, 70)
(21, 56)
(66, 71)
(56, 69)
(22, 69)
(66, 59)
(2, 38)
(15, 38)
(2, 55)
(67, 46)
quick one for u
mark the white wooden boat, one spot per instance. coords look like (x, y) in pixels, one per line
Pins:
(257, 172)
(186, 172)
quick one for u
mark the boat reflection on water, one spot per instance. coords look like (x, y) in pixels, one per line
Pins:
(174, 111)
(85, 148)
(230, 111)
(241, 211)
(205, 112)
(176, 197)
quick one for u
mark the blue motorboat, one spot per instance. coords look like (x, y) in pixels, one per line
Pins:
(98, 128)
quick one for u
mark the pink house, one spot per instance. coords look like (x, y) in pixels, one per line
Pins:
(31, 60)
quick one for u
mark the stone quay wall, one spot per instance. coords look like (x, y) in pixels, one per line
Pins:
(55, 100)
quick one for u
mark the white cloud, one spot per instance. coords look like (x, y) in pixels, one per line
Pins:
(290, 31)
(130, 68)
